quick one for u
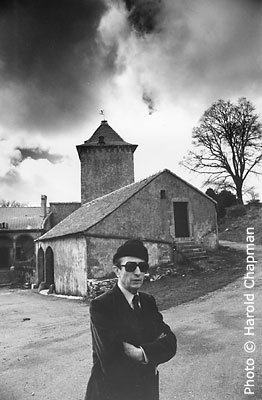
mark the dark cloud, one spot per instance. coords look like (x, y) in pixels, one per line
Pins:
(54, 63)
(148, 100)
(39, 154)
(144, 14)
(50, 60)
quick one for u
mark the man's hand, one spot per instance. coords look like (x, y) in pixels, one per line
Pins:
(133, 352)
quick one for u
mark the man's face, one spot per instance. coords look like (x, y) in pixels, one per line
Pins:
(131, 281)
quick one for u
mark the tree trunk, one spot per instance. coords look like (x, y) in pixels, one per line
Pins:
(239, 195)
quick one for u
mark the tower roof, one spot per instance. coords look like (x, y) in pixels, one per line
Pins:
(106, 136)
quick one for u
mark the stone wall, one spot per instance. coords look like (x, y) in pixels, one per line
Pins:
(70, 271)
(102, 249)
(148, 216)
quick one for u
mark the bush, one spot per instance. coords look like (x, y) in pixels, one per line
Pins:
(254, 202)
(236, 211)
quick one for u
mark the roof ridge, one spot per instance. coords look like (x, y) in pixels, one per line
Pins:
(141, 184)
(121, 189)
(20, 207)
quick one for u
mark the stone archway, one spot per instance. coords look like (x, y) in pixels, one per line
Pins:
(49, 263)
(6, 246)
(25, 248)
(40, 265)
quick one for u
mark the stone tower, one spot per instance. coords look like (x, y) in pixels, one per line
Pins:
(106, 163)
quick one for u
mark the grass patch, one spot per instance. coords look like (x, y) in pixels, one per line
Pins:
(222, 267)
(233, 226)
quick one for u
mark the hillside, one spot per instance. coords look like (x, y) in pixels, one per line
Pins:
(236, 221)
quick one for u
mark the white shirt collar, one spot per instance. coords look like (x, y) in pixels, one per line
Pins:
(129, 296)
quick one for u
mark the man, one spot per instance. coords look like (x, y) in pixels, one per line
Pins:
(128, 334)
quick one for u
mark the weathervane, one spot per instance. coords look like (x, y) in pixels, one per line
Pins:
(102, 112)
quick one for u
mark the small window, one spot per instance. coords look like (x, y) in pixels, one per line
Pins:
(162, 194)
(101, 140)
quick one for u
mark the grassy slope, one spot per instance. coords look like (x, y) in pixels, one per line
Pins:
(222, 267)
(234, 228)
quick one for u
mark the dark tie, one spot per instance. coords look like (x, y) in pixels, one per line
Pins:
(135, 303)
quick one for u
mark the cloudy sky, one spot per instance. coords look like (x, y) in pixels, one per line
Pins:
(154, 66)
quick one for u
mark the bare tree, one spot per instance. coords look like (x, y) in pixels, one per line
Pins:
(9, 203)
(228, 145)
(254, 196)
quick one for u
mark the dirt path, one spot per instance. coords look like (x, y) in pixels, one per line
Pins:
(48, 356)
(46, 348)
(211, 361)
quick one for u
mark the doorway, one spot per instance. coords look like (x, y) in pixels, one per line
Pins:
(40, 265)
(4, 257)
(25, 248)
(181, 219)
(49, 266)
(5, 252)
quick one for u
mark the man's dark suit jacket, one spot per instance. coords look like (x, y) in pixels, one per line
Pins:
(115, 376)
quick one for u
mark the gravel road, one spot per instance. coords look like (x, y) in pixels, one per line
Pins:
(46, 347)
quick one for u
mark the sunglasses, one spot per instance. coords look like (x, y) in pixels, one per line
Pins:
(131, 266)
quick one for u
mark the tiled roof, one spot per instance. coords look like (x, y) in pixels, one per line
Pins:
(110, 138)
(21, 218)
(93, 212)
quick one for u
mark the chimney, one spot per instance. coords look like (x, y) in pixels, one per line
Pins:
(43, 205)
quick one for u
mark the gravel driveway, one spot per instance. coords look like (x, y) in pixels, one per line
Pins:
(46, 348)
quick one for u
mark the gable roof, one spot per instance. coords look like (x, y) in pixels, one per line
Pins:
(89, 214)
(22, 218)
(110, 138)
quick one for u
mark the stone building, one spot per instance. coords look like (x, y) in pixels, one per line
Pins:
(19, 227)
(163, 210)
